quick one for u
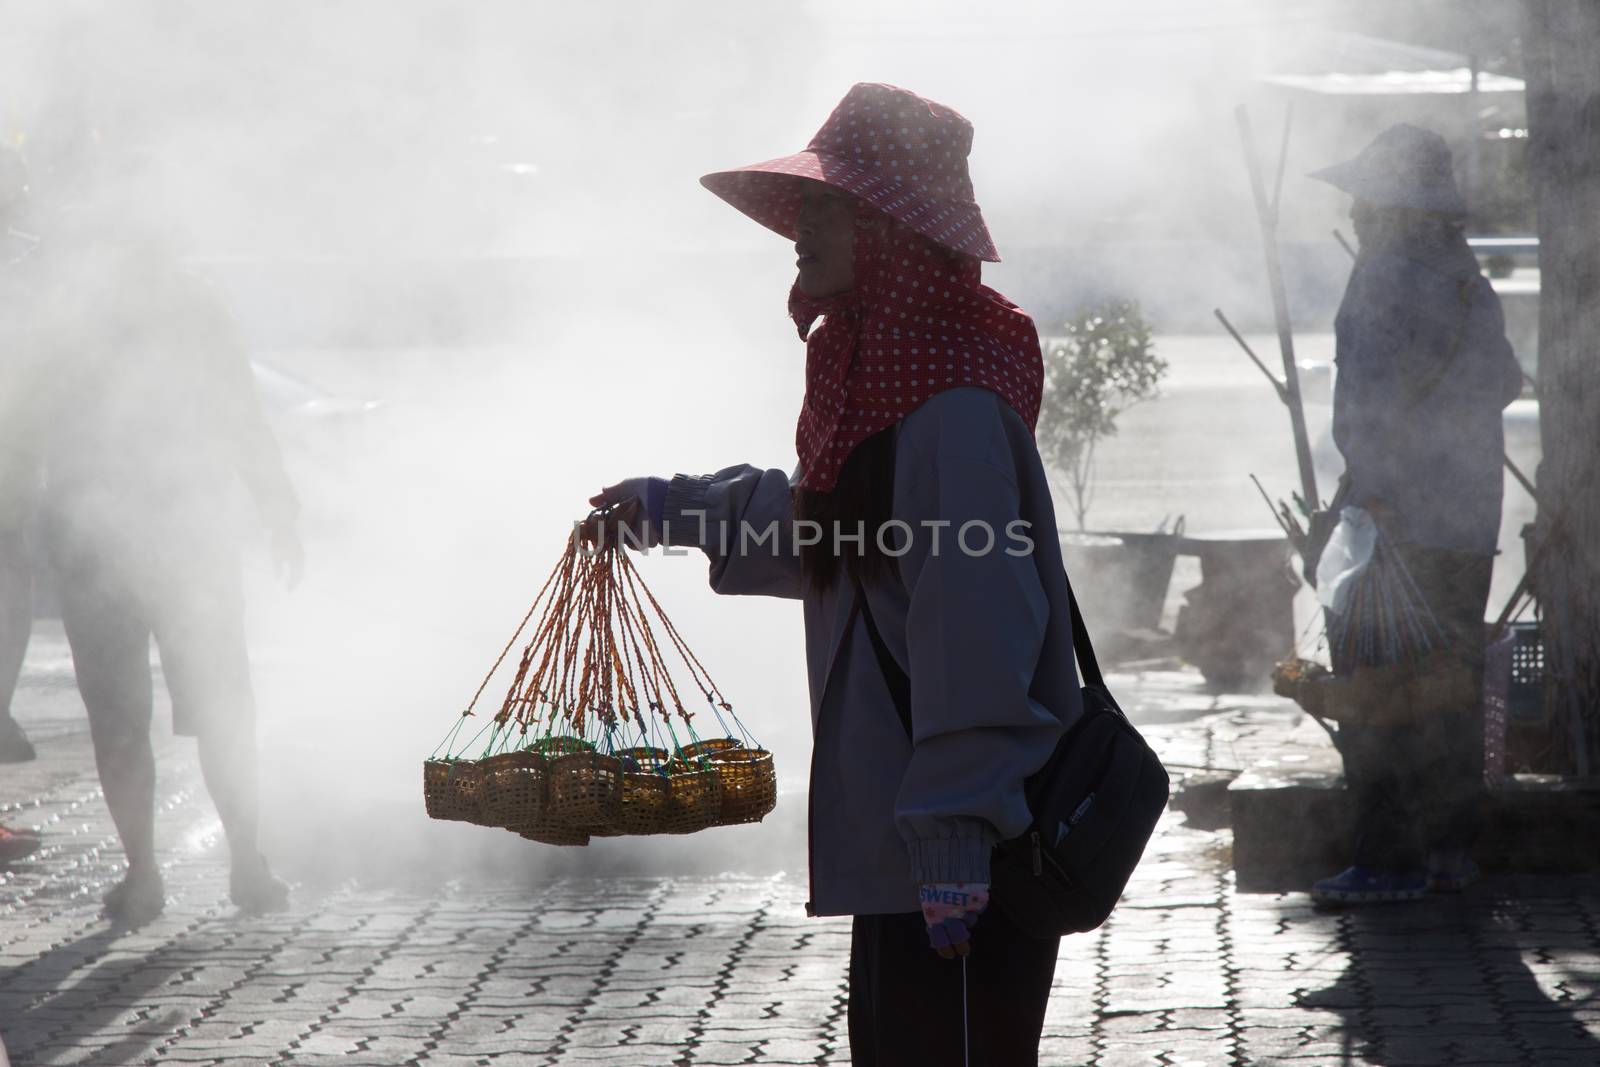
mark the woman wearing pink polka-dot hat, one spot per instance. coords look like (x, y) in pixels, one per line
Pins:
(938, 632)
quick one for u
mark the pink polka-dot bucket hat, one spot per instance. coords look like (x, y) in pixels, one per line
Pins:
(901, 153)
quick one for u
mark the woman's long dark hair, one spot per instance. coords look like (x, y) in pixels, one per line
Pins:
(861, 501)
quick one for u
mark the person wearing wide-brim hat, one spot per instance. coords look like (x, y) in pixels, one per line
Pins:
(918, 464)
(1424, 372)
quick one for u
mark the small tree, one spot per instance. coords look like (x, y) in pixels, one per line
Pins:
(1105, 364)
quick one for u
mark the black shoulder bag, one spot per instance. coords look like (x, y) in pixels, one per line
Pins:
(1095, 804)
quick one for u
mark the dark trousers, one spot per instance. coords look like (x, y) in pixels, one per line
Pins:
(907, 1006)
(1419, 786)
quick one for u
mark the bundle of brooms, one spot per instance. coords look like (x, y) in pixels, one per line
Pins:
(585, 743)
(1392, 661)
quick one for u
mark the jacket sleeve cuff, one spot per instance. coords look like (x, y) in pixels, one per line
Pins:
(952, 859)
(684, 516)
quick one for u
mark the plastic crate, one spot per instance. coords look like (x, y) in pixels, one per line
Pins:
(1525, 693)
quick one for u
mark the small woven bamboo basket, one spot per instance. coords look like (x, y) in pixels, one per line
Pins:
(514, 788)
(592, 738)
(453, 790)
(646, 790)
(696, 798)
(748, 781)
(586, 790)
(749, 784)
(443, 798)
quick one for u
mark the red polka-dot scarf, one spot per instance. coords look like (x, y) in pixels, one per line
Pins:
(918, 321)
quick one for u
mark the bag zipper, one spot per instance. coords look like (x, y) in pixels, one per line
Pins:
(1039, 857)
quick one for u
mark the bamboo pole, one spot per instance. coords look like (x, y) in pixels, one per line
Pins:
(1273, 378)
(1267, 213)
(1522, 479)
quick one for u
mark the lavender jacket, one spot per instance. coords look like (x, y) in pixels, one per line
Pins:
(985, 637)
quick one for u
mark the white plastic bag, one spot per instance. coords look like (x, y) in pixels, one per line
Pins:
(1348, 554)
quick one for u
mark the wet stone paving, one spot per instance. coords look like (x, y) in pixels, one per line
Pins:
(728, 970)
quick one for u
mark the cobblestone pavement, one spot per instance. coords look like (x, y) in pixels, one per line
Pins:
(475, 968)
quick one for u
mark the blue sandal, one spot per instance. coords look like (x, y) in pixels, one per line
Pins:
(1369, 885)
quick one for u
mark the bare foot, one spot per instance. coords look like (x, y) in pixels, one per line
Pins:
(255, 889)
(137, 899)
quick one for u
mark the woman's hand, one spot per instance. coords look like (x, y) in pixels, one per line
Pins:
(951, 910)
(1384, 516)
(634, 505)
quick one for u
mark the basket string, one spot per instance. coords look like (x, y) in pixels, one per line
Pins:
(714, 698)
(448, 744)
(648, 678)
(474, 738)
(517, 696)
(636, 626)
(560, 563)
(594, 667)
(544, 674)
(661, 673)
(633, 646)
(717, 704)
(569, 694)
(498, 735)
(588, 680)
(610, 689)
(697, 670)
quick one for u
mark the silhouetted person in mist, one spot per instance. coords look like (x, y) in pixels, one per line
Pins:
(154, 421)
(1424, 373)
(18, 465)
(922, 389)
(18, 469)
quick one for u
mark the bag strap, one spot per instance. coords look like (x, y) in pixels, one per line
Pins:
(899, 682)
(1088, 665)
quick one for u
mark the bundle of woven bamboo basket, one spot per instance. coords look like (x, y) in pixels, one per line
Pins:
(1392, 662)
(593, 738)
